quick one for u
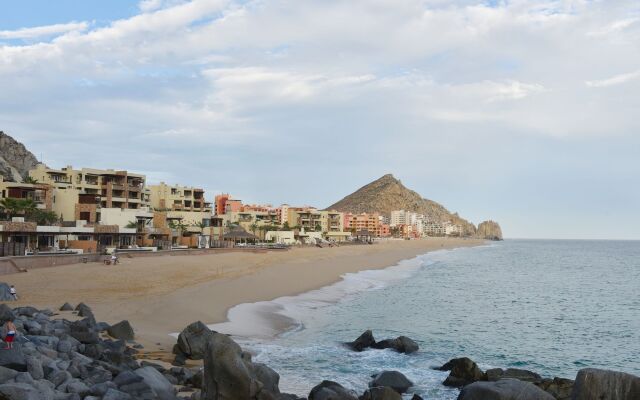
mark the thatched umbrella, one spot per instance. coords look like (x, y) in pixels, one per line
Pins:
(239, 235)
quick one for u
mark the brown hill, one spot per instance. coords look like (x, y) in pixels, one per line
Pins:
(15, 159)
(388, 193)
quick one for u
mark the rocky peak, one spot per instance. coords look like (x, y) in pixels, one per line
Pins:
(15, 159)
(489, 230)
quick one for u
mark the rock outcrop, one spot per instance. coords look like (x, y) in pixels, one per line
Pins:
(192, 342)
(15, 159)
(463, 371)
(329, 390)
(388, 193)
(392, 379)
(489, 230)
(504, 389)
(599, 384)
(401, 344)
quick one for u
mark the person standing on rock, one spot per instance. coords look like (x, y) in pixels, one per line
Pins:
(11, 334)
(13, 292)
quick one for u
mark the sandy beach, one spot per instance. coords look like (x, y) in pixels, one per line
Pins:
(161, 295)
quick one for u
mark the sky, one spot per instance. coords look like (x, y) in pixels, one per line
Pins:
(524, 112)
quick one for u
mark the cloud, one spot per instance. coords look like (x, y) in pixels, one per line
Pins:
(42, 31)
(614, 80)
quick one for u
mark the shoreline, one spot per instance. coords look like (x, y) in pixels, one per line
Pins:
(161, 295)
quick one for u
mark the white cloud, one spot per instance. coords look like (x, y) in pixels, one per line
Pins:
(614, 80)
(41, 31)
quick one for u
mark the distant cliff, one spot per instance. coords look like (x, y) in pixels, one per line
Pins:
(489, 230)
(15, 159)
(388, 193)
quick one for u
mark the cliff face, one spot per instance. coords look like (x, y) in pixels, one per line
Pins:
(15, 159)
(387, 194)
(489, 230)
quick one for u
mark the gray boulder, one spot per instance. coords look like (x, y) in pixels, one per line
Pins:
(600, 384)
(228, 375)
(113, 394)
(66, 307)
(268, 377)
(381, 393)
(392, 379)
(401, 344)
(496, 374)
(20, 391)
(329, 390)
(363, 341)
(7, 374)
(13, 359)
(161, 387)
(193, 339)
(6, 314)
(559, 388)
(463, 371)
(504, 389)
(34, 367)
(122, 330)
(5, 294)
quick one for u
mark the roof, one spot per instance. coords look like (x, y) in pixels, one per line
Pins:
(237, 233)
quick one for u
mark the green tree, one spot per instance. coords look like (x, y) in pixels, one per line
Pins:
(254, 228)
(285, 226)
(31, 180)
(42, 217)
(132, 224)
(10, 206)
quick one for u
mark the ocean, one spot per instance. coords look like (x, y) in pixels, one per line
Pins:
(550, 306)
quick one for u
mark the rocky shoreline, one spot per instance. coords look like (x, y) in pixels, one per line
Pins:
(56, 358)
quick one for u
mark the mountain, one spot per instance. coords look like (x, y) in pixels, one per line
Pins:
(388, 193)
(15, 159)
(489, 230)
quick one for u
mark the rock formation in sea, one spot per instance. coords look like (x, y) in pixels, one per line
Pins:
(489, 230)
(15, 159)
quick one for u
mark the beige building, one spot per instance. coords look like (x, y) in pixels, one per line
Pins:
(178, 198)
(79, 194)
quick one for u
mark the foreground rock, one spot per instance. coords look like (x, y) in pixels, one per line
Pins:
(514, 373)
(329, 390)
(401, 344)
(463, 372)
(381, 393)
(121, 330)
(504, 389)
(229, 373)
(392, 379)
(599, 384)
(559, 388)
(192, 342)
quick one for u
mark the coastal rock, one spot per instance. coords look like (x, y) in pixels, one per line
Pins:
(381, 393)
(489, 230)
(401, 344)
(228, 375)
(66, 307)
(269, 378)
(121, 330)
(13, 359)
(504, 389)
(6, 314)
(599, 384)
(7, 374)
(496, 374)
(159, 385)
(559, 388)
(193, 340)
(392, 379)
(416, 397)
(463, 372)
(329, 390)
(363, 341)
(20, 391)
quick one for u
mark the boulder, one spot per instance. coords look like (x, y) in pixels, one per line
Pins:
(268, 377)
(514, 373)
(26, 311)
(6, 314)
(381, 393)
(416, 397)
(393, 379)
(7, 374)
(66, 307)
(121, 330)
(34, 367)
(504, 389)
(113, 394)
(160, 386)
(20, 391)
(5, 293)
(192, 340)
(401, 344)
(363, 342)
(329, 390)
(13, 359)
(463, 372)
(600, 384)
(559, 388)
(228, 375)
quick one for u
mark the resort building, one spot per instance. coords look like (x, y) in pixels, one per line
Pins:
(39, 193)
(224, 203)
(364, 222)
(81, 193)
(165, 197)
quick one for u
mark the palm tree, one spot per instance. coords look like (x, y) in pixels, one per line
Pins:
(253, 228)
(27, 206)
(31, 180)
(10, 206)
(201, 225)
(132, 224)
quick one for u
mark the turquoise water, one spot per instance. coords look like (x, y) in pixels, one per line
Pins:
(549, 306)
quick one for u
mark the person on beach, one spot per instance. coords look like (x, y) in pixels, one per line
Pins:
(114, 259)
(13, 292)
(11, 334)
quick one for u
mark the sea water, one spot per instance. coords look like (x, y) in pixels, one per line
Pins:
(553, 307)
